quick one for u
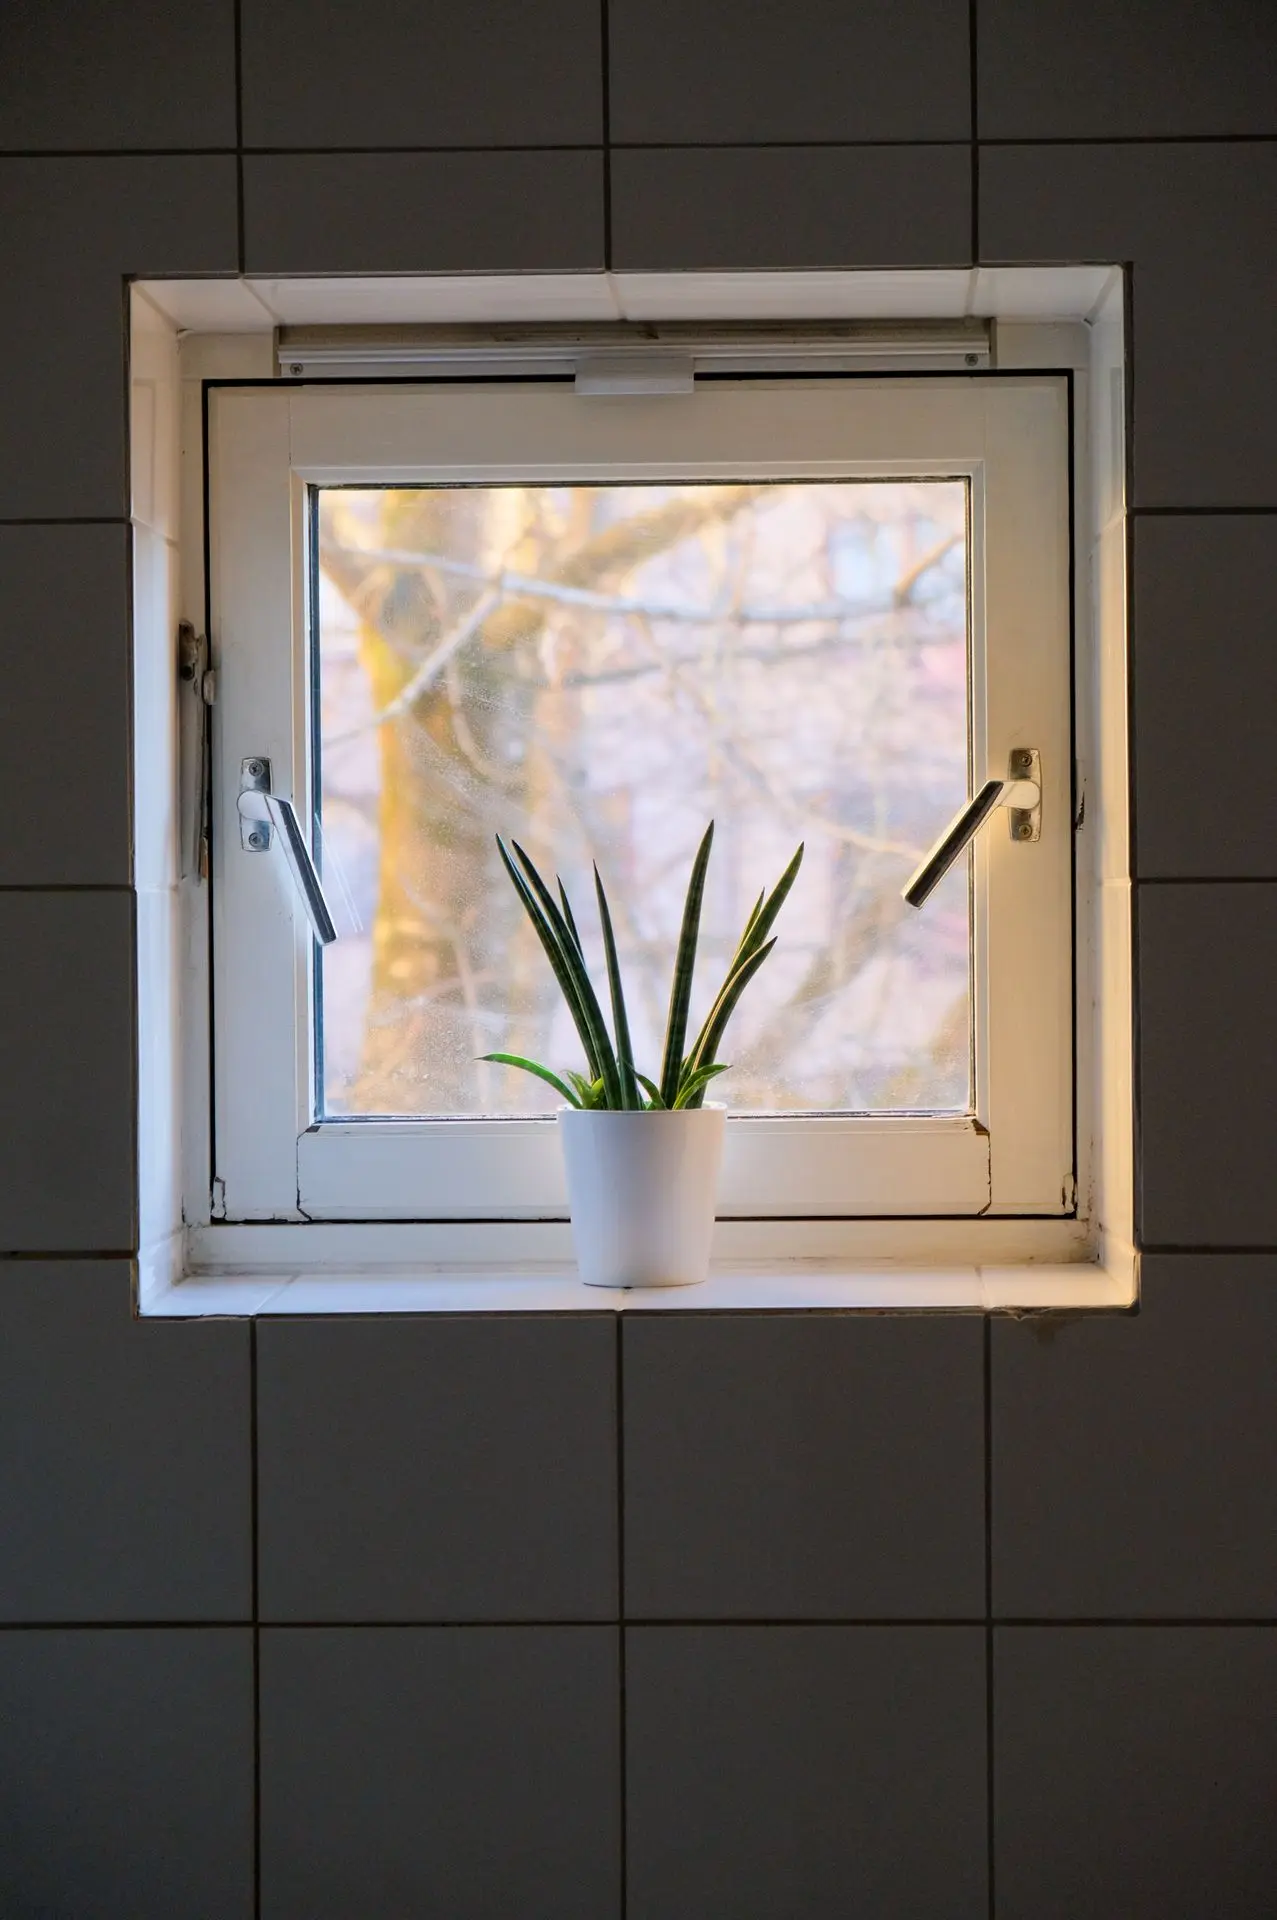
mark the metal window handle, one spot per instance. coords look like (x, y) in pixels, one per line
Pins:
(1020, 793)
(267, 819)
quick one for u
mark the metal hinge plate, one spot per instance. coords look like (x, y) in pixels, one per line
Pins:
(193, 670)
(192, 662)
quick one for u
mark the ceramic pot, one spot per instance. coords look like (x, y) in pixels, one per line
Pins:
(642, 1188)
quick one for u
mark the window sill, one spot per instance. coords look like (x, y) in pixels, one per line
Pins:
(793, 1287)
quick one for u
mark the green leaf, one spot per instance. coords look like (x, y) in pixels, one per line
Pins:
(750, 923)
(692, 1092)
(724, 1007)
(620, 1019)
(651, 1089)
(684, 964)
(752, 942)
(604, 1060)
(567, 915)
(764, 919)
(534, 1066)
(554, 953)
(589, 1092)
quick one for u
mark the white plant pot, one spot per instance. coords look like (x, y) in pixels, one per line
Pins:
(642, 1188)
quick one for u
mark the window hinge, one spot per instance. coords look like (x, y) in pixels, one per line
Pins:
(217, 1199)
(194, 671)
(192, 662)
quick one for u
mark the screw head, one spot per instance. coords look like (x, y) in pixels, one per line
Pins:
(254, 769)
(257, 838)
(973, 359)
(1024, 831)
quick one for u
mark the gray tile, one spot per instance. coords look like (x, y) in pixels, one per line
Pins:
(740, 207)
(466, 1771)
(1134, 1772)
(67, 1073)
(1206, 1065)
(437, 1469)
(817, 1771)
(814, 70)
(1112, 1440)
(1196, 221)
(775, 1467)
(64, 773)
(88, 77)
(132, 1500)
(423, 213)
(392, 73)
(1205, 671)
(126, 1774)
(1093, 70)
(73, 229)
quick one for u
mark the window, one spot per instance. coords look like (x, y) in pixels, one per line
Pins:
(811, 608)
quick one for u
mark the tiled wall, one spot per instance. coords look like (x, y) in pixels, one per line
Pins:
(740, 1619)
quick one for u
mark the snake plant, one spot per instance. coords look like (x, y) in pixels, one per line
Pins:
(611, 1080)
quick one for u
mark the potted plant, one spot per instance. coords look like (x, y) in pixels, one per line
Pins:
(642, 1155)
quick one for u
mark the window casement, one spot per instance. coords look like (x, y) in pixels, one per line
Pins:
(855, 610)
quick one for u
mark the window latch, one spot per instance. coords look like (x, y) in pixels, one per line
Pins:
(1020, 793)
(269, 819)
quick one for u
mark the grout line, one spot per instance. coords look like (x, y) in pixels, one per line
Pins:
(774, 146)
(113, 153)
(606, 78)
(591, 146)
(123, 1626)
(1154, 1248)
(647, 1622)
(257, 1633)
(622, 1726)
(67, 520)
(1137, 1621)
(72, 1253)
(74, 886)
(1064, 1623)
(337, 153)
(972, 36)
(990, 1835)
(1192, 513)
(239, 135)
(1132, 140)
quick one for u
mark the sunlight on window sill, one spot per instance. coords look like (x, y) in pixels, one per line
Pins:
(797, 1287)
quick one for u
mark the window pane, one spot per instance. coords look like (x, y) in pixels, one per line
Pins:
(596, 672)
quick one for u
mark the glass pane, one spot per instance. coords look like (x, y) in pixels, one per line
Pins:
(596, 672)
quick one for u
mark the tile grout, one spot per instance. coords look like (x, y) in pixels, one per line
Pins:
(1046, 1623)
(605, 82)
(622, 1726)
(972, 36)
(241, 254)
(257, 1634)
(680, 146)
(990, 1828)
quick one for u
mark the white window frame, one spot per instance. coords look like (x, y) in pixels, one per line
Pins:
(1007, 434)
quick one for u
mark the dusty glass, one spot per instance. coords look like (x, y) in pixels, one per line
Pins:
(596, 672)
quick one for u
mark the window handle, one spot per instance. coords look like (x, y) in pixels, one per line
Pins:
(267, 819)
(1020, 793)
